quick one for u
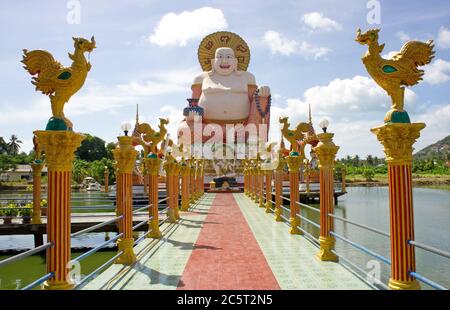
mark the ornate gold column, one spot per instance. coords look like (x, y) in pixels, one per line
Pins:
(153, 163)
(268, 174)
(59, 148)
(279, 189)
(171, 168)
(176, 192)
(106, 177)
(398, 139)
(192, 182)
(185, 176)
(36, 167)
(294, 162)
(260, 187)
(125, 156)
(326, 152)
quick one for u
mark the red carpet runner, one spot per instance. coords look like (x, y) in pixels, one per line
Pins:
(226, 255)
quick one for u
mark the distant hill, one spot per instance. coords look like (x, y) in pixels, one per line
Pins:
(440, 150)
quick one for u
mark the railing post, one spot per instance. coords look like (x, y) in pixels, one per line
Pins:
(268, 174)
(344, 181)
(260, 186)
(326, 151)
(59, 149)
(294, 162)
(185, 176)
(279, 189)
(192, 182)
(36, 167)
(153, 163)
(106, 179)
(398, 139)
(176, 180)
(125, 156)
(170, 167)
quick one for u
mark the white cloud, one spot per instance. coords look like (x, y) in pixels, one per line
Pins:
(316, 21)
(354, 106)
(444, 38)
(279, 44)
(404, 37)
(178, 29)
(437, 72)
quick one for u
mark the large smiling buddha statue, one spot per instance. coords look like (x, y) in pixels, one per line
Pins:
(225, 93)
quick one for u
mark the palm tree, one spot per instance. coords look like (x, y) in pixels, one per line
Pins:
(13, 144)
(3, 145)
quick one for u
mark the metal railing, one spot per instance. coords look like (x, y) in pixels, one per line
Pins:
(256, 190)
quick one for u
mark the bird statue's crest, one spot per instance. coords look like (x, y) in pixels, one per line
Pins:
(394, 74)
(56, 81)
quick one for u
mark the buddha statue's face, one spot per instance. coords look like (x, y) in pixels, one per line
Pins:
(224, 62)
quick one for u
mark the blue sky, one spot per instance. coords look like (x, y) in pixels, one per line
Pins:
(147, 55)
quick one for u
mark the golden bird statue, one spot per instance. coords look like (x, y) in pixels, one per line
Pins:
(294, 136)
(394, 74)
(56, 81)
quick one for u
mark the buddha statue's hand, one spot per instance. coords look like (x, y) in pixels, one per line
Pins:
(264, 91)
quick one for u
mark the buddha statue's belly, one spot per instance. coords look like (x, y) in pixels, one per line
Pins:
(225, 105)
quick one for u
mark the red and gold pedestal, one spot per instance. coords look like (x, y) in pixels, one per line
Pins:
(36, 167)
(106, 177)
(268, 176)
(294, 163)
(260, 187)
(171, 167)
(279, 190)
(176, 193)
(125, 156)
(326, 152)
(153, 165)
(192, 183)
(185, 178)
(255, 184)
(398, 140)
(59, 150)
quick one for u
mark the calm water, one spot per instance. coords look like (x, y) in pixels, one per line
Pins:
(365, 205)
(370, 206)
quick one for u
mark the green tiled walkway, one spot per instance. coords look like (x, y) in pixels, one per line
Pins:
(291, 258)
(161, 263)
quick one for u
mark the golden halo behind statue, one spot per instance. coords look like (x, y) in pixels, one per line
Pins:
(208, 46)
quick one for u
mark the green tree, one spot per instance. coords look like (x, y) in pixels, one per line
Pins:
(3, 146)
(370, 161)
(109, 150)
(97, 170)
(80, 170)
(92, 148)
(14, 145)
(368, 173)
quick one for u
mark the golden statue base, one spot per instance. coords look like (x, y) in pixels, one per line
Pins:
(294, 226)
(154, 232)
(128, 257)
(400, 285)
(325, 254)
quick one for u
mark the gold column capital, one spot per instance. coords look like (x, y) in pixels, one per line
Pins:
(185, 170)
(398, 139)
(294, 163)
(171, 167)
(152, 165)
(326, 150)
(125, 155)
(59, 147)
(37, 167)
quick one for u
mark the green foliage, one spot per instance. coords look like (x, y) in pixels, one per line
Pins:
(439, 151)
(80, 170)
(368, 174)
(92, 148)
(27, 210)
(95, 169)
(8, 161)
(10, 210)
